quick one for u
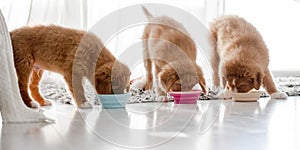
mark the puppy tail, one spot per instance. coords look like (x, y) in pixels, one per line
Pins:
(147, 13)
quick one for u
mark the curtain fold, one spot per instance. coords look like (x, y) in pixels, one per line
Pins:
(11, 105)
(15, 12)
(69, 13)
(84, 14)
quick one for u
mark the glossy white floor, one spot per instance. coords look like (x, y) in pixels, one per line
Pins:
(209, 125)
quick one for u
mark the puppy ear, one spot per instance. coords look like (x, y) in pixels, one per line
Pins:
(201, 79)
(257, 80)
(103, 87)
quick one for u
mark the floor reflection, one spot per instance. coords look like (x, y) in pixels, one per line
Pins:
(215, 124)
(17, 136)
(283, 124)
(134, 128)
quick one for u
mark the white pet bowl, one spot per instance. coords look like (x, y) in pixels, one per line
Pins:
(246, 97)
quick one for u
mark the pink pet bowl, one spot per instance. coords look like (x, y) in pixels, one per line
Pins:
(186, 97)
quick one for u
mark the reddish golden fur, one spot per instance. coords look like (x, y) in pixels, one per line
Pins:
(72, 53)
(171, 51)
(240, 56)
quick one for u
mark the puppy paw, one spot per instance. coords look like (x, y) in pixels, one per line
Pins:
(47, 103)
(86, 105)
(33, 104)
(279, 95)
(223, 94)
(162, 98)
(139, 82)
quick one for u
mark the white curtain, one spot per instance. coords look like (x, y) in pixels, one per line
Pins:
(85, 14)
(15, 12)
(70, 13)
(11, 106)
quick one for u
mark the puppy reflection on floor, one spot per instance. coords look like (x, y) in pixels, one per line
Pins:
(169, 56)
(240, 56)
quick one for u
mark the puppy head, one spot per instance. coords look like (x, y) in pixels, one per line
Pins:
(243, 78)
(179, 77)
(112, 78)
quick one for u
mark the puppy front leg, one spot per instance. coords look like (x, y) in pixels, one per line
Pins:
(23, 69)
(36, 77)
(161, 95)
(216, 77)
(159, 89)
(162, 99)
(215, 62)
(77, 90)
(224, 83)
(269, 85)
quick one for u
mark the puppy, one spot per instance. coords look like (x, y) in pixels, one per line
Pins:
(240, 56)
(72, 53)
(169, 56)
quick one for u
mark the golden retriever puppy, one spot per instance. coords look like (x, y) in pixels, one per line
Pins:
(240, 56)
(169, 56)
(72, 53)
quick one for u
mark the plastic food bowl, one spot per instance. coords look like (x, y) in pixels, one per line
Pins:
(186, 97)
(113, 100)
(246, 97)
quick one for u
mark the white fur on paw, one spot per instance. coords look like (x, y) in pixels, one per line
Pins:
(223, 94)
(86, 105)
(47, 103)
(139, 83)
(34, 104)
(279, 95)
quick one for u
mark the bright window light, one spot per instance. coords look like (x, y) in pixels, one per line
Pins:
(278, 22)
